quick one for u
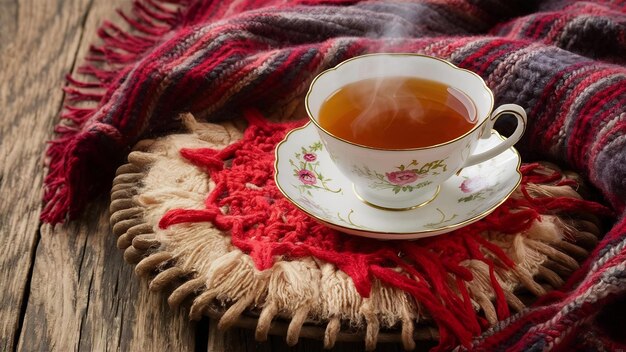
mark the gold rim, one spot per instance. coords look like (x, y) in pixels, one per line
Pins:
(368, 203)
(425, 232)
(308, 111)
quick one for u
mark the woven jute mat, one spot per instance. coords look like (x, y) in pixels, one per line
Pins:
(196, 263)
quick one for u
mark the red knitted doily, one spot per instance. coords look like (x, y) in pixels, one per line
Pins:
(264, 224)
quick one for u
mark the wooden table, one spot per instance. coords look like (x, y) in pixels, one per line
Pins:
(67, 288)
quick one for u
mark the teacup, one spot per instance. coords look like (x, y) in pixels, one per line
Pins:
(397, 179)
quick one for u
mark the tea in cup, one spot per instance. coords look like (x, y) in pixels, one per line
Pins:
(399, 125)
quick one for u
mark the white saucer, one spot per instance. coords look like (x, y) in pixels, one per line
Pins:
(306, 175)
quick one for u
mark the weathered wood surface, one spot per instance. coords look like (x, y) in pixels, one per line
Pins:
(82, 296)
(67, 288)
(39, 41)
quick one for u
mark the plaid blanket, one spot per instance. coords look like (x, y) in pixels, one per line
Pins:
(562, 60)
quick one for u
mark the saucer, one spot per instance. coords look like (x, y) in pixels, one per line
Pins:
(307, 176)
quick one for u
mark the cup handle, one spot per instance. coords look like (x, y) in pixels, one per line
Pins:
(512, 109)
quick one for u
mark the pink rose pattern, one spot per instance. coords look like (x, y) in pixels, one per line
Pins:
(310, 157)
(473, 184)
(305, 167)
(476, 189)
(307, 177)
(401, 178)
(406, 178)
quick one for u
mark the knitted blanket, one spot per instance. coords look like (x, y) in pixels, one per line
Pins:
(561, 60)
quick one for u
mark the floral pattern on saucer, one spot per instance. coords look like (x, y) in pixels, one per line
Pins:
(305, 168)
(404, 177)
(306, 175)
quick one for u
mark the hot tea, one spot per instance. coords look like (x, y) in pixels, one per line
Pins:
(397, 113)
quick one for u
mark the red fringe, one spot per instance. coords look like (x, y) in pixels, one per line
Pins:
(204, 157)
(80, 84)
(148, 21)
(181, 216)
(76, 95)
(566, 204)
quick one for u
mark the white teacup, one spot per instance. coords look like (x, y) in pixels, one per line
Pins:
(396, 179)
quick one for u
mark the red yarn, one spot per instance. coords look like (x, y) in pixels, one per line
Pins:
(178, 216)
(266, 225)
(566, 204)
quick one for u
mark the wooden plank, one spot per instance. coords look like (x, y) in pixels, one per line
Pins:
(39, 40)
(83, 295)
(8, 21)
(234, 340)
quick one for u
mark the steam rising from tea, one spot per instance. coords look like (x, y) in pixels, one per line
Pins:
(397, 113)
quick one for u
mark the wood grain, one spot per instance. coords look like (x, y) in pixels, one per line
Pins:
(39, 42)
(8, 21)
(83, 295)
(235, 340)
